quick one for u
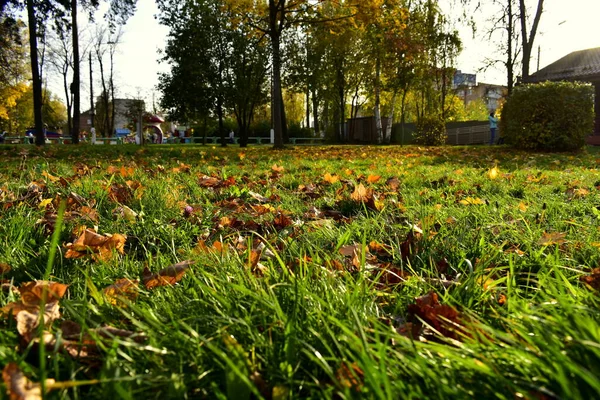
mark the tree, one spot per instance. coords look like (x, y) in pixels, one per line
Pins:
(528, 38)
(217, 63)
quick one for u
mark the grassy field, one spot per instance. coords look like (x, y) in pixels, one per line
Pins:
(314, 272)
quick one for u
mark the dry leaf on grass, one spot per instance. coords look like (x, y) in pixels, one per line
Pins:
(122, 289)
(95, 245)
(19, 387)
(166, 277)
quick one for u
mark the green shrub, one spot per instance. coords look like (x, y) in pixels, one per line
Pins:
(431, 131)
(550, 116)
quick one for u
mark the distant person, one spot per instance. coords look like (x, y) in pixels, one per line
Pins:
(30, 137)
(2, 137)
(231, 136)
(493, 126)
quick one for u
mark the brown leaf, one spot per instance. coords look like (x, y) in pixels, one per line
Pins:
(18, 387)
(166, 277)
(120, 193)
(28, 321)
(98, 246)
(123, 288)
(549, 239)
(593, 279)
(393, 183)
(427, 309)
(350, 376)
(361, 194)
(32, 293)
(4, 268)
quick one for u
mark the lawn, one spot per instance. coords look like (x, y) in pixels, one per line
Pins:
(313, 272)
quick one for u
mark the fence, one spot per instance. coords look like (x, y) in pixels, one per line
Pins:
(475, 134)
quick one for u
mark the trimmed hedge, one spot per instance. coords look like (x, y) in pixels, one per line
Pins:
(549, 116)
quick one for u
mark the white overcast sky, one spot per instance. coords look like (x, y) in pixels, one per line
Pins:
(566, 26)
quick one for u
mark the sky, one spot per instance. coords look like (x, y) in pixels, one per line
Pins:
(566, 26)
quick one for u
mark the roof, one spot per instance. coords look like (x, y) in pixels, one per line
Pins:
(583, 65)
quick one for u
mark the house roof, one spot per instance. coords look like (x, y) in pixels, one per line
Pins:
(583, 65)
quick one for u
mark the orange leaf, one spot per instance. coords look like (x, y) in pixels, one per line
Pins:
(331, 178)
(373, 178)
(123, 288)
(277, 168)
(166, 277)
(32, 293)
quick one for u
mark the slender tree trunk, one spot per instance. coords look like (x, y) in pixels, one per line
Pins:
(528, 39)
(307, 106)
(35, 75)
(112, 94)
(315, 110)
(390, 121)
(402, 111)
(104, 96)
(509, 59)
(342, 99)
(275, 21)
(75, 86)
(284, 127)
(91, 92)
(377, 111)
(67, 98)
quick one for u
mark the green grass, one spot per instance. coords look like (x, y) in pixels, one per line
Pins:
(308, 322)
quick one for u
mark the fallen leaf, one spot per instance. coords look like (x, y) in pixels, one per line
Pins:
(493, 173)
(350, 376)
(549, 239)
(330, 178)
(19, 387)
(33, 293)
(472, 201)
(373, 178)
(95, 245)
(166, 277)
(123, 288)
(361, 194)
(592, 279)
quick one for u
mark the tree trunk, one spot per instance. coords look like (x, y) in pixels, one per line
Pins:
(307, 107)
(402, 111)
(342, 99)
(509, 59)
(377, 111)
(91, 92)
(35, 75)
(315, 110)
(75, 86)
(528, 39)
(275, 33)
(390, 121)
(111, 85)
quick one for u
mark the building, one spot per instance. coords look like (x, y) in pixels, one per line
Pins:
(466, 87)
(124, 111)
(583, 66)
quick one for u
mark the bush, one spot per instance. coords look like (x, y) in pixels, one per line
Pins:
(550, 116)
(431, 131)
(296, 131)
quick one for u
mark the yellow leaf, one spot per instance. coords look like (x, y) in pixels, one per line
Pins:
(471, 201)
(493, 173)
(44, 203)
(523, 207)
